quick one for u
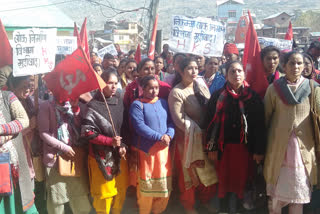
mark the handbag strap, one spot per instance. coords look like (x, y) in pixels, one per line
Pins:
(312, 105)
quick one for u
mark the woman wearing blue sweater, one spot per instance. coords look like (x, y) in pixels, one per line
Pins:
(154, 130)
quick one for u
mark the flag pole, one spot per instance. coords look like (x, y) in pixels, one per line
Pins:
(104, 99)
(109, 113)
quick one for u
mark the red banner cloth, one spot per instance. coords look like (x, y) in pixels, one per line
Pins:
(5, 48)
(84, 38)
(152, 46)
(137, 55)
(72, 77)
(289, 34)
(252, 63)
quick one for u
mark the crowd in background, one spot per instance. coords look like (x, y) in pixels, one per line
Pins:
(180, 121)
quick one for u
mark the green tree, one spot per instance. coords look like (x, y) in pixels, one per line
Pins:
(309, 19)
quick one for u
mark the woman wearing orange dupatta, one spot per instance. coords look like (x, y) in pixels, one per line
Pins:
(153, 133)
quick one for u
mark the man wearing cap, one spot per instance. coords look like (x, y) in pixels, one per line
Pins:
(231, 52)
(109, 60)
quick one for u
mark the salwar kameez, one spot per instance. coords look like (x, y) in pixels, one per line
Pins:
(151, 121)
(101, 190)
(155, 179)
(293, 186)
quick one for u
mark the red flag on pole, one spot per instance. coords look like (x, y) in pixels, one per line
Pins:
(137, 55)
(252, 63)
(84, 38)
(152, 46)
(289, 34)
(72, 77)
(5, 48)
(76, 34)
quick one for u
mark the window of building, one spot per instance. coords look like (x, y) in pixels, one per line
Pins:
(232, 13)
(132, 27)
(121, 37)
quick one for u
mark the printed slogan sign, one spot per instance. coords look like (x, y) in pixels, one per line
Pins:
(111, 49)
(33, 51)
(282, 44)
(66, 44)
(200, 36)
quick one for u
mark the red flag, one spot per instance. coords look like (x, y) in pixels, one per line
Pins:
(84, 38)
(152, 46)
(252, 64)
(137, 55)
(241, 30)
(72, 77)
(5, 48)
(289, 34)
(76, 34)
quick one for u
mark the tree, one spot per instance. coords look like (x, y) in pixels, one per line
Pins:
(309, 19)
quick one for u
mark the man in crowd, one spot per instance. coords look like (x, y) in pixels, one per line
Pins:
(109, 60)
(231, 52)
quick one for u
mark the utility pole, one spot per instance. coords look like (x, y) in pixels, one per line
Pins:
(154, 7)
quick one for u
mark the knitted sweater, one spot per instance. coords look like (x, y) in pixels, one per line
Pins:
(150, 122)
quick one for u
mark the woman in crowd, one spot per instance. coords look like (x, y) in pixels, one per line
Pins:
(98, 68)
(21, 87)
(59, 128)
(290, 163)
(187, 102)
(212, 77)
(170, 75)
(133, 91)
(153, 133)
(159, 65)
(270, 57)
(122, 67)
(126, 76)
(14, 119)
(106, 148)
(309, 71)
(171, 79)
(235, 109)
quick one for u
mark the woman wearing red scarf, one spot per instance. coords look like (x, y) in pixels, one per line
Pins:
(236, 133)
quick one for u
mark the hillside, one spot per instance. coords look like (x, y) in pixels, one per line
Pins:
(98, 13)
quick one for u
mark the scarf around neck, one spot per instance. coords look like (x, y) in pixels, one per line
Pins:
(63, 132)
(289, 97)
(219, 117)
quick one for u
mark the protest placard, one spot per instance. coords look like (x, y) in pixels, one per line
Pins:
(34, 51)
(282, 44)
(111, 49)
(200, 36)
(66, 45)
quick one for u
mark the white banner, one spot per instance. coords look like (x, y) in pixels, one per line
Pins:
(111, 49)
(66, 44)
(34, 51)
(199, 36)
(281, 44)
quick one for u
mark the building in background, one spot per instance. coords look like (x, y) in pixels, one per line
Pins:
(230, 11)
(276, 26)
(128, 34)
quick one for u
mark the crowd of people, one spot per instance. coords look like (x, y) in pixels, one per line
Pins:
(178, 122)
